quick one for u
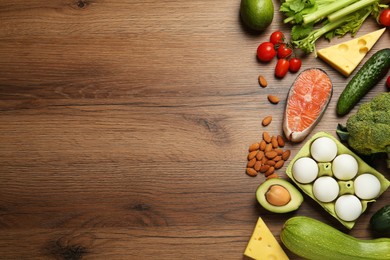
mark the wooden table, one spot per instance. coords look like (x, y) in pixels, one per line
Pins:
(125, 127)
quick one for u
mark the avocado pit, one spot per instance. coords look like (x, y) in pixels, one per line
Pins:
(278, 195)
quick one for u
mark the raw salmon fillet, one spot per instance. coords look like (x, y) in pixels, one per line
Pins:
(307, 100)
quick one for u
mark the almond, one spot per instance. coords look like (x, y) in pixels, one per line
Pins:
(270, 162)
(273, 175)
(264, 168)
(277, 158)
(263, 160)
(279, 164)
(281, 142)
(273, 99)
(254, 147)
(251, 172)
(269, 171)
(268, 148)
(259, 155)
(271, 154)
(251, 163)
(257, 166)
(266, 137)
(262, 81)
(252, 155)
(274, 142)
(286, 155)
(279, 151)
(263, 144)
(266, 121)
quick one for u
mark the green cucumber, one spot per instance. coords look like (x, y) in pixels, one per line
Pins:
(365, 79)
(313, 239)
(380, 221)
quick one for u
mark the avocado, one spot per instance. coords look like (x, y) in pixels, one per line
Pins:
(257, 14)
(279, 196)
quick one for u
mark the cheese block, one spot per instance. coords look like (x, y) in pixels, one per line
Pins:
(263, 245)
(346, 56)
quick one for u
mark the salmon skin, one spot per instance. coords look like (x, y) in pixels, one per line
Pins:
(307, 101)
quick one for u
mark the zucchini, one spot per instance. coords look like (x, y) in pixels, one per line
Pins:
(365, 79)
(380, 221)
(312, 239)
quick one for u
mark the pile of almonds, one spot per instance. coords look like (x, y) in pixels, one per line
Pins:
(267, 156)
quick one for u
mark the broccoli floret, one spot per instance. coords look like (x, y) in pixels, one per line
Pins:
(368, 131)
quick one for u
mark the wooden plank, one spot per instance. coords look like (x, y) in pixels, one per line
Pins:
(125, 126)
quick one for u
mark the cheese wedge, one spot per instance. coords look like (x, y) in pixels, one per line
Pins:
(346, 56)
(263, 245)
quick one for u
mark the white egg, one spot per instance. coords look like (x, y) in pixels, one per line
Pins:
(345, 167)
(367, 186)
(323, 149)
(348, 207)
(326, 189)
(305, 170)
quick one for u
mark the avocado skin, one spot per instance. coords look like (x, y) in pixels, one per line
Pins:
(296, 196)
(257, 14)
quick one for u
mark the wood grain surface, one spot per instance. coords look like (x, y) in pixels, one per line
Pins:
(125, 126)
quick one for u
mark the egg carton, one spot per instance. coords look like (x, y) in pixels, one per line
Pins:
(346, 187)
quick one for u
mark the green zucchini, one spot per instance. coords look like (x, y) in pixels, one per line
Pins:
(365, 79)
(380, 221)
(312, 239)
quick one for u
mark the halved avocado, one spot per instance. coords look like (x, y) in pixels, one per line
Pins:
(279, 196)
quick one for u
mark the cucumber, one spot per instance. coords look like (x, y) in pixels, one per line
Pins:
(380, 221)
(365, 79)
(312, 239)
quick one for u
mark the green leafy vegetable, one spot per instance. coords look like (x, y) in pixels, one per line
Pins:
(295, 9)
(312, 19)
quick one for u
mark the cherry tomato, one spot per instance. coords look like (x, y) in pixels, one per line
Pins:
(388, 82)
(266, 51)
(284, 51)
(384, 17)
(295, 64)
(281, 68)
(276, 37)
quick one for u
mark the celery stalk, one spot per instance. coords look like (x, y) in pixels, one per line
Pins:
(323, 12)
(308, 44)
(349, 9)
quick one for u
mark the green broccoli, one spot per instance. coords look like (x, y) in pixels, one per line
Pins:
(368, 131)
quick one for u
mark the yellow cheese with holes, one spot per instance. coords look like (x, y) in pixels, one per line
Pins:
(263, 245)
(346, 56)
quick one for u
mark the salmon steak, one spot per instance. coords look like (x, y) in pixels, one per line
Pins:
(307, 100)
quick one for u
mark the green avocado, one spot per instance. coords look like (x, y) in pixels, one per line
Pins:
(257, 14)
(278, 196)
